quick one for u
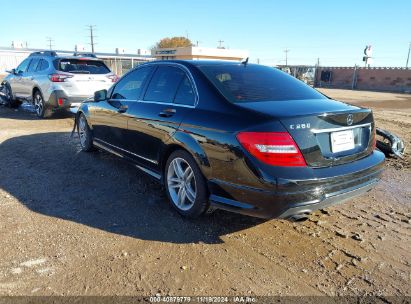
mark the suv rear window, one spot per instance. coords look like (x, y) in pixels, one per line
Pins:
(81, 66)
(252, 83)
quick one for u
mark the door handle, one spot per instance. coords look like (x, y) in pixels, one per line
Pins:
(122, 109)
(167, 113)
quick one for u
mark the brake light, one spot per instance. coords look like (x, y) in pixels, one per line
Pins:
(374, 142)
(59, 77)
(272, 148)
(112, 77)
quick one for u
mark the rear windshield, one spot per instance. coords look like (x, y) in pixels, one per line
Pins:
(251, 83)
(81, 66)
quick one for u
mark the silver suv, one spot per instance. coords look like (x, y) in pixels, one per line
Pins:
(53, 82)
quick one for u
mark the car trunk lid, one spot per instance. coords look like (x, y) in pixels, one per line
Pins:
(326, 131)
(87, 84)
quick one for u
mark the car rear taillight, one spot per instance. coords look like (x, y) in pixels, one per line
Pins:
(272, 148)
(112, 77)
(59, 77)
(374, 142)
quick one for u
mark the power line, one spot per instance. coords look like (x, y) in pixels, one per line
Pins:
(50, 42)
(92, 42)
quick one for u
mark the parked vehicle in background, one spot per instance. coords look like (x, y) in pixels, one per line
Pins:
(236, 136)
(53, 82)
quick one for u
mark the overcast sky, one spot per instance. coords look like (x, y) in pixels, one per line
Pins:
(334, 31)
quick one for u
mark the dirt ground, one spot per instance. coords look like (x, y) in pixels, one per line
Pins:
(73, 223)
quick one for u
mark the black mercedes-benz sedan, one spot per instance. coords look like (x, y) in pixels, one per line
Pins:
(236, 136)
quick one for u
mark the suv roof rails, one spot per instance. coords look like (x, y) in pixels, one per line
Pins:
(85, 55)
(44, 53)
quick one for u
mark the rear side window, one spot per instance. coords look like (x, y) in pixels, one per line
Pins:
(43, 65)
(164, 84)
(33, 65)
(252, 83)
(130, 86)
(185, 93)
(82, 66)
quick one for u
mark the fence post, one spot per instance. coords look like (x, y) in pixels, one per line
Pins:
(354, 78)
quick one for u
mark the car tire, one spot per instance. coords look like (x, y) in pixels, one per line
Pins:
(85, 134)
(40, 105)
(185, 185)
(9, 100)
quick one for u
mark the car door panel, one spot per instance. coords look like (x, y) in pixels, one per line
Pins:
(149, 129)
(154, 119)
(27, 80)
(108, 123)
(109, 117)
(19, 87)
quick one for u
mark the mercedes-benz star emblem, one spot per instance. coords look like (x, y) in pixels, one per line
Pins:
(350, 119)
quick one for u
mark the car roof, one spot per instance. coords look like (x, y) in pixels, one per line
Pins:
(197, 62)
(78, 57)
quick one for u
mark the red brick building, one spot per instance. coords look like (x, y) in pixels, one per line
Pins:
(375, 79)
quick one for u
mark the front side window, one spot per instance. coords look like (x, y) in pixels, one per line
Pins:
(130, 86)
(23, 66)
(164, 84)
(253, 83)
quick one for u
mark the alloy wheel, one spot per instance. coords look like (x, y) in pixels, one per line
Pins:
(7, 93)
(181, 184)
(38, 104)
(82, 126)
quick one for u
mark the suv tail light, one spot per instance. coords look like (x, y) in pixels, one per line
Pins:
(272, 148)
(59, 77)
(112, 77)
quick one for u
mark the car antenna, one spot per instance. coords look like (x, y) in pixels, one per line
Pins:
(244, 61)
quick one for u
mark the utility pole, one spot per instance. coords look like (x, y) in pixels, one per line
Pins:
(408, 57)
(220, 44)
(92, 43)
(286, 56)
(50, 43)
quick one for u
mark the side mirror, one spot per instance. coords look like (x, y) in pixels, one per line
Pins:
(12, 71)
(100, 95)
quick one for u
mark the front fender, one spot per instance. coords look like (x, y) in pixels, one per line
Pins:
(83, 108)
(189, 143)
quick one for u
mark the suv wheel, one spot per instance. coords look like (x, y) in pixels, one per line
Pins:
(40, 106)
(185, 185)
(8, 96)
(85, 135)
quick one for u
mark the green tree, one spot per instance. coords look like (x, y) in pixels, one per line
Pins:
(173, 42)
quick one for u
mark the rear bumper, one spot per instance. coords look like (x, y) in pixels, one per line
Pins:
(288, 198)
(67, 101)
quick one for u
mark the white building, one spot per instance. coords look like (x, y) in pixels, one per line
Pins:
(199, 53)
